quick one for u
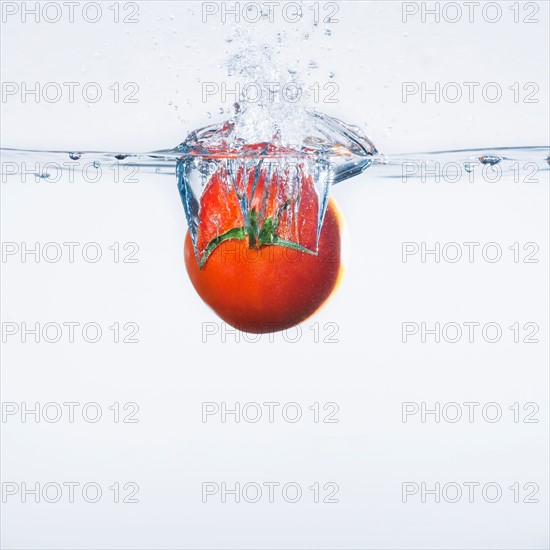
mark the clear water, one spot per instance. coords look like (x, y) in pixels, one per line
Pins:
(507, 160)
(45, 165)
(331, 153)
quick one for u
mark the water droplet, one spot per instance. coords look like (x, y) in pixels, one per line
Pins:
(490, 160)
(548, 160)
(75, 155)
(96, 164)
(220, 110)
(313, 65)
(328, 31)
(120, 157)
(209, 114)
(469, 167)
(331, 74)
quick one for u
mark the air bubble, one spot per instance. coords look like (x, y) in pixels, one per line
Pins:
(75, 156)
(121, 156)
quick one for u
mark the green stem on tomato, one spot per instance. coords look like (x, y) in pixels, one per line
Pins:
(257, 237)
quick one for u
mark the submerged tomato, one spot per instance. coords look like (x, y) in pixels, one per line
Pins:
(256, 262)
(271, 287)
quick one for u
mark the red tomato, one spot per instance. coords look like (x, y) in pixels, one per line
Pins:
(258, 272)
(271, 287)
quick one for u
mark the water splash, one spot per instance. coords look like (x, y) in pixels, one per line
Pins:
(276, 186)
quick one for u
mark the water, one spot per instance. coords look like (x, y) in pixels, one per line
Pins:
(164, 162)
(269, 181)
(271, 166)
(266, 188)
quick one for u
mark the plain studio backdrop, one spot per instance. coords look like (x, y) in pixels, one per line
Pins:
(164, 369)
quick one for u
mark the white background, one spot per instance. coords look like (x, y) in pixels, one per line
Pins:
(368, 372)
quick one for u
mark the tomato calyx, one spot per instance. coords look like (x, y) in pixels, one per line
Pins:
(257, 236)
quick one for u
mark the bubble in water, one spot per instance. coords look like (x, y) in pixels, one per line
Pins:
(469, 167)
(96, 164)
(75, 155)
(120, 156)
(328, 31)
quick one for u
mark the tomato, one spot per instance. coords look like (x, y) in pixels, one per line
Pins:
(257, 259)
(270, 287)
